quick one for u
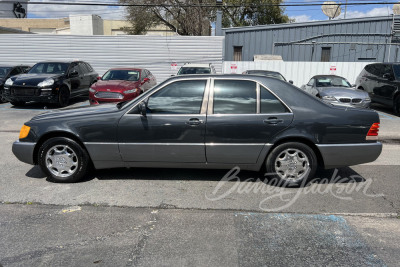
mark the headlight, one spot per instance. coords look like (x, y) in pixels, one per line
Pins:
(24, 132)
(329, 98)
(130, 91)
(46, 83)
(367, 99)
(92, 90)
(9, 82)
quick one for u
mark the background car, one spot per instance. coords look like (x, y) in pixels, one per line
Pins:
(267, 73)
(337, 91)
(381, 81)
(192, 68)
(208, 121)
(51, 82)
(6, 72)
(121, 84)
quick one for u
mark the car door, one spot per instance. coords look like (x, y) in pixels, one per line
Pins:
(242, 119)
(173, 129)
(74, 78)
(85, 77)
(386, 85)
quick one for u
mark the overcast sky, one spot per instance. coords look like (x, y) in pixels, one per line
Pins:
(299, 13)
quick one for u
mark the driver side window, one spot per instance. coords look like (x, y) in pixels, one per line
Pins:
(182, 97)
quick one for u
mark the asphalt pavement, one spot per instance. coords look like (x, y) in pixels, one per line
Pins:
(184, 217)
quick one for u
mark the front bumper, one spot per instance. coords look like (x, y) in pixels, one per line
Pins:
(43, 95)
(342, 155)
(24, 151)
(93, 100)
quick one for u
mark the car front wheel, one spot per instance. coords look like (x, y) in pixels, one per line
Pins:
(63, 97)
(63, 160)
(291, 164)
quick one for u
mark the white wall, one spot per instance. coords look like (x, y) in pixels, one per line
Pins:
(155, 53)
(299, 72)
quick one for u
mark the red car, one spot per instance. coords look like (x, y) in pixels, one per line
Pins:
(122, 84)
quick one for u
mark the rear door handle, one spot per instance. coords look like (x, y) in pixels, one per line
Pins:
(194, 122)
(273, 120)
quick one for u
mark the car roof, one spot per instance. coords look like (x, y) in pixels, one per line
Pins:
(195, 65)
(266, 71)
(127, 68)
(329, 75)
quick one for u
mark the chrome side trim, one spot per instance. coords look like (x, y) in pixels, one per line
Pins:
(182, 144)
(341, 155)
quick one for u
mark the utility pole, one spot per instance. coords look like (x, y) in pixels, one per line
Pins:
(345, 9)
(218, 24)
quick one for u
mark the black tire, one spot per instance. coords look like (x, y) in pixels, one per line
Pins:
(17, 103)
(63, 97)
(3, 99)
(73, 155)
(303, 165)
(396, 105)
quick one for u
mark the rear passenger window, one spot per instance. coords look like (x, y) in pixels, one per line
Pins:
(269, 103)
(235, 97)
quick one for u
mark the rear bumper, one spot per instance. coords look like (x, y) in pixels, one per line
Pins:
(341, 155)
(24, 151)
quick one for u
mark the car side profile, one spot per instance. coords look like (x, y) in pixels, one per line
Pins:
(381, 81)
(204, 121)
(51, 82)
(6, 71)
(121, 84)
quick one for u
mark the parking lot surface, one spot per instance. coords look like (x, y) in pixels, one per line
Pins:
(186, 217)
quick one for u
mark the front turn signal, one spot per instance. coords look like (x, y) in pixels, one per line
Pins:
(24, 132)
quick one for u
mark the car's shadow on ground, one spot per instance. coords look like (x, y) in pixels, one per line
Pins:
(78, 101)
(332, 176)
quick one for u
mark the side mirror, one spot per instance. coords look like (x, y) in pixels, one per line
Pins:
(387, 76)
(73, 74)
(142, 108)
(98, 78)
(290, 81)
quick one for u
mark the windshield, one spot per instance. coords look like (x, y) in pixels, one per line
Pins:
(332, 82)
(4, 71)
(124, 75)
(194, 70)
(268, 74)
(49, 68)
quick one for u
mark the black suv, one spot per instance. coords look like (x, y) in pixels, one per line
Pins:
(6, 72)
(51, 82)
(381, 81)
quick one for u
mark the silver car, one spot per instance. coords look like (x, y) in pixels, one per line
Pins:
(337, 91)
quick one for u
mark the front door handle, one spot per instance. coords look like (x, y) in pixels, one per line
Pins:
(273, 120)
(194, 122)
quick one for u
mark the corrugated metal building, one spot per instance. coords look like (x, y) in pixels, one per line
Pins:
(347, 40)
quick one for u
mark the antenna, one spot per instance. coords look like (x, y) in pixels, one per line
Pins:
(331, 9)
(396, 9)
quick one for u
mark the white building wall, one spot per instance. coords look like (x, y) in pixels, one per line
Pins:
(86, 25)
(299, 72)
(156, 53)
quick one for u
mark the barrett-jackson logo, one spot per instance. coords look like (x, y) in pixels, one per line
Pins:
(19, 10)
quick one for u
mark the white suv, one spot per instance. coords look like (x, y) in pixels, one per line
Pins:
(191, 68)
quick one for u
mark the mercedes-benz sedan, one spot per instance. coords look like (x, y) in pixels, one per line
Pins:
(204, 121)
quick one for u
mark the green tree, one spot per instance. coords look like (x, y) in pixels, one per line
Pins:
(238, 13)
(193, 17)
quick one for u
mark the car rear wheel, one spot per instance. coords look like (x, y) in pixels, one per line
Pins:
(292, 164)
(63, 97)
(17, 103)
(396, 106)
(63, 160)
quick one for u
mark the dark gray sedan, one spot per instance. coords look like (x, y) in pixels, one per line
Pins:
(337, 90)
(204, 121)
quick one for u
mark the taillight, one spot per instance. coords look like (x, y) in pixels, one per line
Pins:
(373, 132)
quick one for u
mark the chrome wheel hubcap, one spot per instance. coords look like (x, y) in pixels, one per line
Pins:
(61, 161)
(292, 165)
